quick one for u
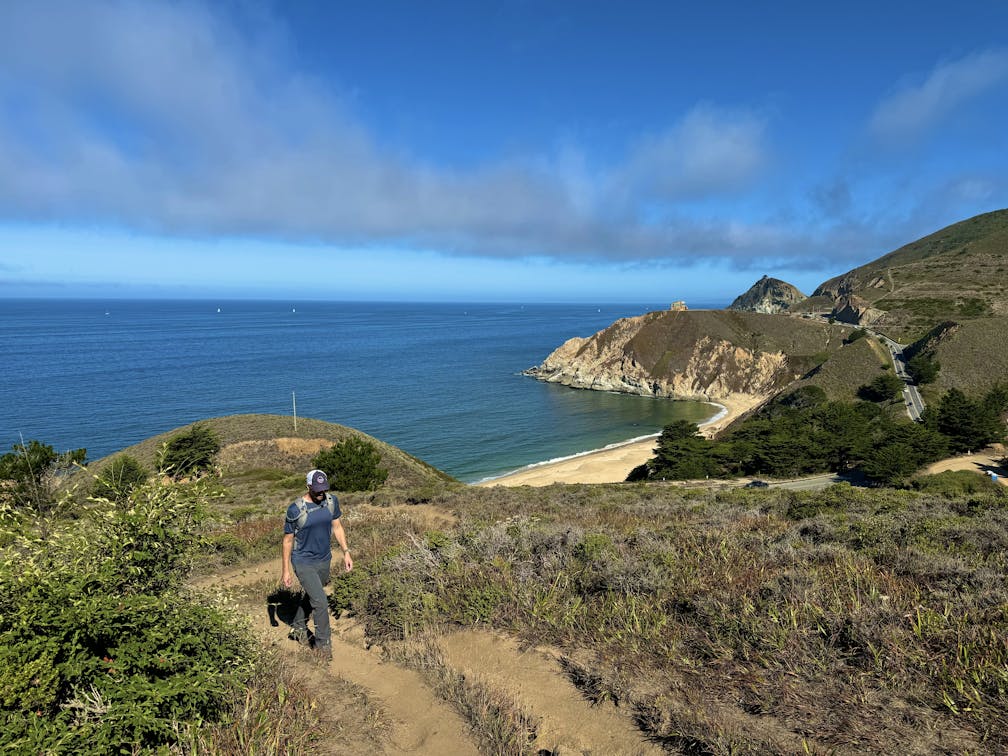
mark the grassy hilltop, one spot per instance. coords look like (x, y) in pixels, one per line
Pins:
(959, 273)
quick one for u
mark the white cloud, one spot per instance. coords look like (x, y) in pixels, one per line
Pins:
(710, 151)
(914, 109)
(161, 117)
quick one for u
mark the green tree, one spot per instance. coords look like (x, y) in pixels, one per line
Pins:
(190, 453)
(33, 472)
(890, 463)
(119, 478)
(968, 424)
(353, 464)
(884, 388)
(857, 333)
(923, 369)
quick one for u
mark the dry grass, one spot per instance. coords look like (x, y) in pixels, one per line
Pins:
(284, 712)
(875, 621)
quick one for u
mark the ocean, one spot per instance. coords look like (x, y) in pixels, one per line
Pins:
(441, 381)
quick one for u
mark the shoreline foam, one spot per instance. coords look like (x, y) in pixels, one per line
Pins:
(612, 463)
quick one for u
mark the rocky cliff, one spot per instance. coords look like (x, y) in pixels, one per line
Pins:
(769, 296)
(702, 355)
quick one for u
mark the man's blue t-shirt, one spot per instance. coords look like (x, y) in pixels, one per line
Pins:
(313, 542)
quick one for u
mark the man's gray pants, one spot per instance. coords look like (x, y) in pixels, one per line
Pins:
(313, 576)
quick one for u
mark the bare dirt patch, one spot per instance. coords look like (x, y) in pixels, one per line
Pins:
(534, 677)
(984, 461)
(285, 453)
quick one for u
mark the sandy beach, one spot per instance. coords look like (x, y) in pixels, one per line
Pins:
(612, 465)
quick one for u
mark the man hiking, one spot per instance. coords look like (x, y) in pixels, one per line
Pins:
(312, 521)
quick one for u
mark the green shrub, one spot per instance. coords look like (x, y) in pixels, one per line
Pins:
(34, 471)
(100, 649)
(352, 465)
(189, 454)
(119, 478)
(956, 482)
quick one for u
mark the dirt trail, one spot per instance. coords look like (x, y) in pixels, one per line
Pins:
(569, 724)
(421, 723)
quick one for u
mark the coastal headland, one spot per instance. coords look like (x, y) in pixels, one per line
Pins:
(613, 464)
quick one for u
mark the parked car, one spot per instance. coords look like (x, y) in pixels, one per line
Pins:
(757, 484)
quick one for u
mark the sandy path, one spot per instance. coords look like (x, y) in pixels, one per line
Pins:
(568, 724)
(613, 465)
(421, 722)
(979, 462)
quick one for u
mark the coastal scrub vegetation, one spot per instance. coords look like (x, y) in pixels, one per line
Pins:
(726, 621)
(31, 474)
(119, 478)
(720, 620)
(802, 433)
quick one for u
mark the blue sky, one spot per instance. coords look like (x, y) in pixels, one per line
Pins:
(510, 151)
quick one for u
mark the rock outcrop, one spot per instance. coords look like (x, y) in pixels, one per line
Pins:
(698, 355)
(769, 296)
(853, 309)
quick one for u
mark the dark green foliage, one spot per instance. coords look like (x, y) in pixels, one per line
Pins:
(901, 450)
(857, 333)
(968, 424)
(100, 650)
(923, 369)
(34, 471)
(119, 478)
(996, 399)
(884, 388)
(804, 397)
(681, 454)
(797, 435)
(352, 465)
(190, 453)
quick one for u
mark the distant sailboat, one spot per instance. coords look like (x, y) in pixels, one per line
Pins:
(218, 309)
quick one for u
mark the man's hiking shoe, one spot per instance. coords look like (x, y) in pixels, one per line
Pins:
(323, 652)
(299, 634)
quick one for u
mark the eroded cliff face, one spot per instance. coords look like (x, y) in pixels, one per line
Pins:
(708, 367)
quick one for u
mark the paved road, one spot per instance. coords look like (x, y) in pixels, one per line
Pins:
(911, 396)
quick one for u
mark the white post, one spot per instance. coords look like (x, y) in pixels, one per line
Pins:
(294, 401)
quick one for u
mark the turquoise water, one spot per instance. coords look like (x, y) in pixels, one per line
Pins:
(441, 381)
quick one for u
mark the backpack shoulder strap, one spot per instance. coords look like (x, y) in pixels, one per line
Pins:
(302, 514)
(330, 503)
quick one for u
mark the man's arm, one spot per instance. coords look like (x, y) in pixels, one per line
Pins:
(286, 549)
(340, 535)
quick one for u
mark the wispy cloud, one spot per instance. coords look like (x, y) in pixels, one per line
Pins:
(158, 116)
(914, 109)
(710, 151)
(163, 117)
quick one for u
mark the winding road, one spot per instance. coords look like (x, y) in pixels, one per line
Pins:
(911, 396)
